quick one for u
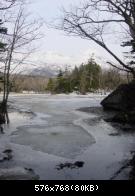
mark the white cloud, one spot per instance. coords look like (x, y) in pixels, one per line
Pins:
(57, 58)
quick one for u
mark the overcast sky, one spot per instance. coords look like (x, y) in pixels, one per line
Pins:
(56, 47)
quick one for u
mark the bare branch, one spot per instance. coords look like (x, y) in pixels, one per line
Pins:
(9, 3)
(91, 21)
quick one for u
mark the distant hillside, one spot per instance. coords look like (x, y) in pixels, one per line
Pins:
(43, 71)
(47, 71)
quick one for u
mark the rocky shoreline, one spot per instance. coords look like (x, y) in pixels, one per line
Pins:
(122, 101)
(122, 128)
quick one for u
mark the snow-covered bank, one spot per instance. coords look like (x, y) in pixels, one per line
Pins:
(70, 95)
(55, 132)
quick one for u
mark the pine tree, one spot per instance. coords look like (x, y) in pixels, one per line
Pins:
(83, 83)
(50, 85)
(59, 88)
(75, 79)
(93, 74)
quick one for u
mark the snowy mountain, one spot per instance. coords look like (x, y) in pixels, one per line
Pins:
(47, 70)
(43, 71)
(51, 70)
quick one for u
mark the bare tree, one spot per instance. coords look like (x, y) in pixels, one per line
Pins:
(23, 31)
(4, 5)
(95, 20)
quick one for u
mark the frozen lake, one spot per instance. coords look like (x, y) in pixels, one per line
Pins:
(48, 130)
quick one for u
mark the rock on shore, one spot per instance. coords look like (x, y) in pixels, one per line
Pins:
(121, 99)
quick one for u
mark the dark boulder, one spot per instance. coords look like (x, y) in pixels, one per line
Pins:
(122, 99)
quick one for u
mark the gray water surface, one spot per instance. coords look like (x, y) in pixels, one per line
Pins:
(48, 130)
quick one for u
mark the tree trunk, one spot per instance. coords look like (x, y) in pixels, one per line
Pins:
(3, 113)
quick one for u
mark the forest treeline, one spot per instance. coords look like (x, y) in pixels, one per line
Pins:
(20, 83)
(88, 77)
